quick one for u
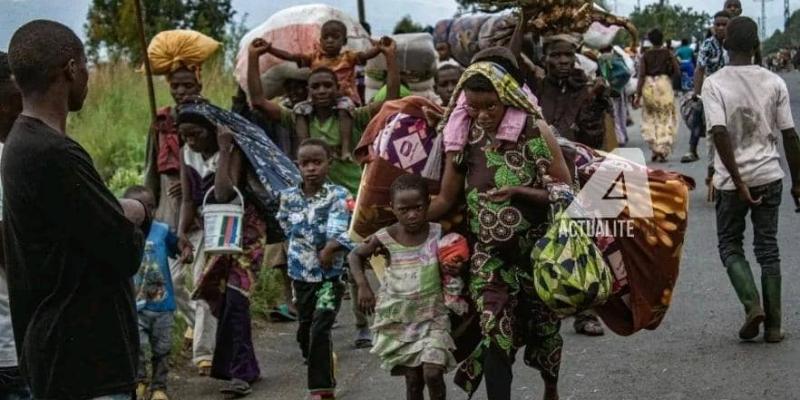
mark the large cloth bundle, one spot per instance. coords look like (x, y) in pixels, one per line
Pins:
(399, 140)
(463, 37)
(554, 17)
(468, 35)
(600, 36)
(297, 30)
(416, 61)
(171, 50)
(569, 273)
(441, 32)
(644, 262)
(617, 68)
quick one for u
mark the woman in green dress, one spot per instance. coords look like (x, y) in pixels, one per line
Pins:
(509, 183)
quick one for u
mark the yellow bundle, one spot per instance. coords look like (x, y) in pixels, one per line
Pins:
(171, 50)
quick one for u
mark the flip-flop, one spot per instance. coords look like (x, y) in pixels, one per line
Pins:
(282, 313)
(689, 157)
(204, 368)
(363, 339)
(590, 328)
(237, 388)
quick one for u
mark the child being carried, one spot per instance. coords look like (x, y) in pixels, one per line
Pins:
(329, 54)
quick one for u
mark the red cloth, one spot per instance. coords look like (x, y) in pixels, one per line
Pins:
(169, 146)
(453, 249)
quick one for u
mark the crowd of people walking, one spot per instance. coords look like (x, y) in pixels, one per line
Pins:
(501, 145)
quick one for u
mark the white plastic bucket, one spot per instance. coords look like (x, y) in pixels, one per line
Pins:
(222, 225)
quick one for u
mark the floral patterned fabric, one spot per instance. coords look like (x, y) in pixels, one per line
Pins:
(713, 56)
(504, 234)
(309, 223)
(411, 321)
(659, 117)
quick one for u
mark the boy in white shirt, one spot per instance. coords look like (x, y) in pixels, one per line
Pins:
(745, 105)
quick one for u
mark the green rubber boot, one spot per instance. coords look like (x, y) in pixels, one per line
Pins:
(742, 279)
(771, 288)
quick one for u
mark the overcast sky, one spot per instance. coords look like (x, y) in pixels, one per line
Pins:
(382, 14)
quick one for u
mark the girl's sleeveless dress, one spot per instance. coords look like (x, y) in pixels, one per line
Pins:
(412, 326)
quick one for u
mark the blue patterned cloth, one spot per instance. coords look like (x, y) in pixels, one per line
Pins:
(712, 56)
(309, 223)
(274, 169)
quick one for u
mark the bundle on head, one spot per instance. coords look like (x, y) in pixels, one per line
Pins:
(554, 17)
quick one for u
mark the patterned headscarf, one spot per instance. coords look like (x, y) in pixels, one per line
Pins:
(274, 169)
(507, 88)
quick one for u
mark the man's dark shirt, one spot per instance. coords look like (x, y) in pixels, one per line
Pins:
(70, 254)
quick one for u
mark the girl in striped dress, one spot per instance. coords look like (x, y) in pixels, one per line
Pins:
(412, 329)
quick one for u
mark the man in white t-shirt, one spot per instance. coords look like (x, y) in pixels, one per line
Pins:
(12, 386)
(745, 105)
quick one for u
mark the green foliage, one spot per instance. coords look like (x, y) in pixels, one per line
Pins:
(268, 291)
(112, 29)
(784, 40)
(209, 16)
(674, 21)
(236, 32)
(407, 25)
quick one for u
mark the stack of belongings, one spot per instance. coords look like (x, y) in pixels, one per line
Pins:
(295, 29)
(468, 35)
(646, 261)
(399, 140)
(416, 61)
(552, 17)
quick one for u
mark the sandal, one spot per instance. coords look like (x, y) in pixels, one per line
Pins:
(363, 338)
(689, 157)
(188, 339)
(237, 388)
(204, 368)
(282, 313)
(159, 394)
(589, 328)
(141, 391)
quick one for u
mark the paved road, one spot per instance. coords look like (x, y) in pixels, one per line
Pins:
(695, 354)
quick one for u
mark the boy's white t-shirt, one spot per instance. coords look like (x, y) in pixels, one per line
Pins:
(752, 103)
